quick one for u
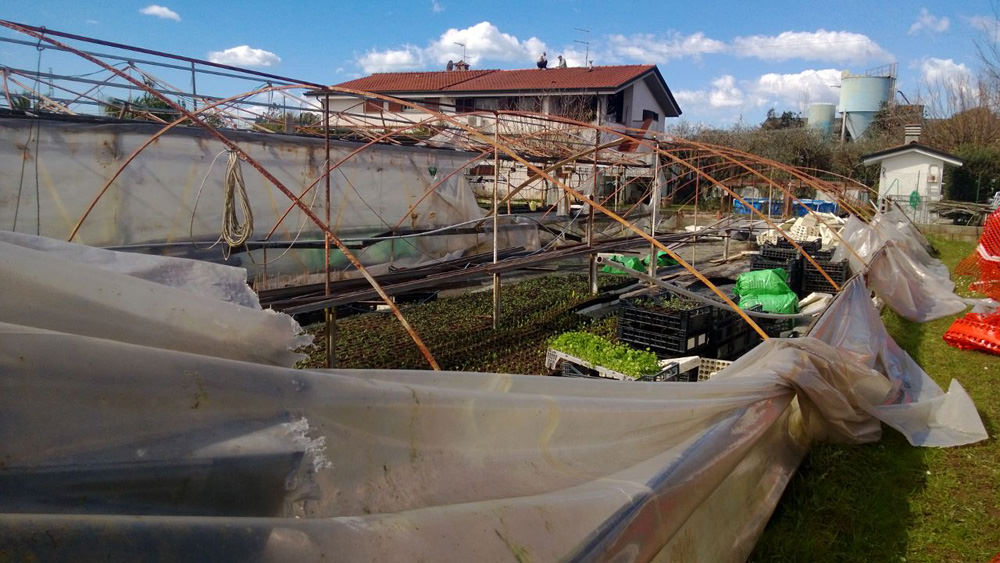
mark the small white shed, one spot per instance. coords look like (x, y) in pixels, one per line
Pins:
(912, 175)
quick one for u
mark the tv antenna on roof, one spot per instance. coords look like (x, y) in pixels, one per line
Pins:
(462, 45)
(586, 57)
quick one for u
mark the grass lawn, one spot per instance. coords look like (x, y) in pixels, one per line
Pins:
(890, 501)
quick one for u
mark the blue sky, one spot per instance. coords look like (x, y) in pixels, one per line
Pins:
(724, 60)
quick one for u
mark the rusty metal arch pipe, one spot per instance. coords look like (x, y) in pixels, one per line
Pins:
(336, 165)
(774, 226)
(786, 236)
(236, 148)
(139, 149)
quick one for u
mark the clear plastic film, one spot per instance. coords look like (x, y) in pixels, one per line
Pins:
(901, 270)
(172, 451)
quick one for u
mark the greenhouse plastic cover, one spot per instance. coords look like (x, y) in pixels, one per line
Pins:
(901, 270)
(151, 445)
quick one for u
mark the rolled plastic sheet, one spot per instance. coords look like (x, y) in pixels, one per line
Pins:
(901, 271)
(174, 303)
(126, 449)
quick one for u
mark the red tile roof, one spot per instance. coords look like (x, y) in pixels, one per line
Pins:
(599, 78)
(411, 81)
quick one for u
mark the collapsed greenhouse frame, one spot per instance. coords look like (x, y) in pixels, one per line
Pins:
(657, 516)
(545, 145)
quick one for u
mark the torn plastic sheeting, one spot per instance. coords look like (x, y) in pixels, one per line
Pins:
(183, 305)
(911, 281)
(411, 464)
(389, 464)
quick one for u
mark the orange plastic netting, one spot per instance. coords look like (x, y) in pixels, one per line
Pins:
(975, 331)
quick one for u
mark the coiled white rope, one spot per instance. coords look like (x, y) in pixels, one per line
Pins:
(236, 230)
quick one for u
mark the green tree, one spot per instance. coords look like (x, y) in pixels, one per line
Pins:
(979, 175)
(142, 107)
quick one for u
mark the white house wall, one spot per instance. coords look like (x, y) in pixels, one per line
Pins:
(642, 98)
(903, 173)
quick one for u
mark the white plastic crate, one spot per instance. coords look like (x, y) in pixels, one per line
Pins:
(709, 367)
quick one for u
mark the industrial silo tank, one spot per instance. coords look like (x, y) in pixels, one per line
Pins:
(860, 98)
(821, 117)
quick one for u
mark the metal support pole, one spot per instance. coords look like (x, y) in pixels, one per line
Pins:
(654, 212)
(194, 89)
(329, 314)
(590, 220)
(496, 221)
(697, 193)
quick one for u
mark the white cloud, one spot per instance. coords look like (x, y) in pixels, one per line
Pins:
(989, 25)
(947, 78)
(798, 90)
(835, 46)
(244, 55)
(727, 97)
(929, 23)
(483, 41)
(407, 58)
(436, 7)
(160, 12)
(649, 48)
(723, 94)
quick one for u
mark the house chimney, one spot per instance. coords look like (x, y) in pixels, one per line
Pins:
(911, 134)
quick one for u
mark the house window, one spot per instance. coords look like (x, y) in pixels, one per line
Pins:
(580, 108)
(522, 103)
(646, 114)
(373, 106)
(431, 103)
(465, 105)
(615, 110)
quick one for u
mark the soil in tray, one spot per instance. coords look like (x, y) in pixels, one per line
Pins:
(459, 330)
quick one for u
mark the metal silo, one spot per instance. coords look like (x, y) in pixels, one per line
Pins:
(861, 96)
(821, 117)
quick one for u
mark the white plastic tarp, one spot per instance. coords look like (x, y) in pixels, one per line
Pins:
(901, 270)
(160, 452)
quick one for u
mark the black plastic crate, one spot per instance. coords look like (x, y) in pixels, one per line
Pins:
(807, 246)
(792, 267)
(813, 280)
(691, 321)
(736, 346)
(821, 255)
(774, 327)
(779, 252)
(667, 344)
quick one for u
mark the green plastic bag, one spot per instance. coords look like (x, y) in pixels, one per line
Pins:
(762, 282)
(630, 262)
(640, 264)
(787, 303)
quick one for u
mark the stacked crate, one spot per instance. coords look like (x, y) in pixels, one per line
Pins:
(667, 334)
(803, 277)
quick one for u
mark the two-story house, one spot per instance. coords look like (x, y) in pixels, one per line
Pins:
(633, 96)
(616, 97)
